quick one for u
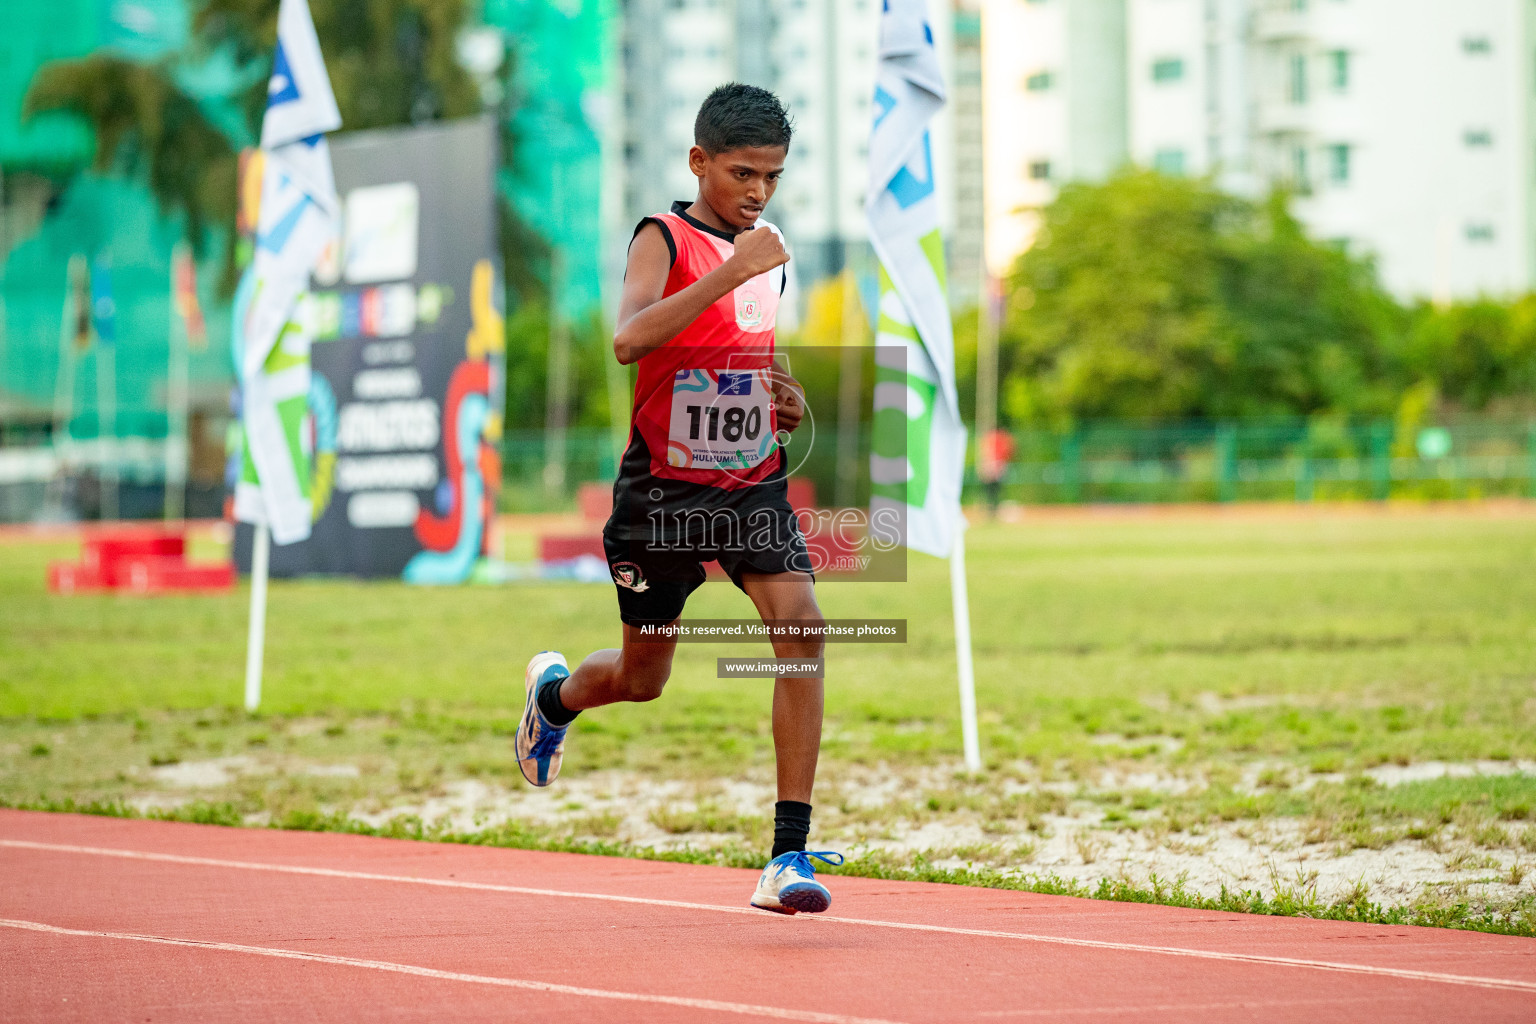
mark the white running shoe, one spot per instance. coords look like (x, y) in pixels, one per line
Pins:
(788, 884)
(540, 745)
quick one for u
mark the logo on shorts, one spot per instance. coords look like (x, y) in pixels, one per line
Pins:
(734, 383)
(627, 574)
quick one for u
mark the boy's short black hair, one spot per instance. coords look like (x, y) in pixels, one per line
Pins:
(737, 116)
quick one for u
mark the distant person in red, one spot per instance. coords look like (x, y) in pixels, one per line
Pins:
(704, 476)
(993, 455)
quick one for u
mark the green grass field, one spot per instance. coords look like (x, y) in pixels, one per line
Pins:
(1222, 669)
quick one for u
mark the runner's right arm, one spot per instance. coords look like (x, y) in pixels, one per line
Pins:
(647, 321)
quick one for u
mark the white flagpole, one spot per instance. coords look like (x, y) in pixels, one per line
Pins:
(64, 388)
(957, 588)
(901, 205)
(298, 192)
(106, 411)
(176, 405)
(256, 639)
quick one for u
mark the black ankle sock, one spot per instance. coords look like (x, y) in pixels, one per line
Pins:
(791, 826)
(548, 699)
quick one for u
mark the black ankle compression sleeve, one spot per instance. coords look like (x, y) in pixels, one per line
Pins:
(548, 698)
(791, 826)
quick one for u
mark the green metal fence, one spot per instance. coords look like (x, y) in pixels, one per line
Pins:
(589, 457)
(1203, 462)
(1319, 460)
(1287, 461)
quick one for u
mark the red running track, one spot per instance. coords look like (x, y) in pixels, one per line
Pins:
(105, 919)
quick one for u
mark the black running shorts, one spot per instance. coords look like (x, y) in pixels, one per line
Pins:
(654, 576)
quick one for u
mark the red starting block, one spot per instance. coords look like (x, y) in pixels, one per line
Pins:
(561, 549)
(138, 561)
(156, 575)
(68, 577)
(110, 553)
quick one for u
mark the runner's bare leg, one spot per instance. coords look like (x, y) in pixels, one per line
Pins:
(797, 702)
(637, 672)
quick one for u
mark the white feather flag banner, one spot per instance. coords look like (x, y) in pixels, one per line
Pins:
(297, 220)
(919, 441)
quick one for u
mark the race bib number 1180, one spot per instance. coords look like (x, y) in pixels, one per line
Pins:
(721, 419)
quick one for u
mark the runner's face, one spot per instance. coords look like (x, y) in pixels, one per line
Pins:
(738, 183)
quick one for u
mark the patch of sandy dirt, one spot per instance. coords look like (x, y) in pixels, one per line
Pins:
(210, 774)
(1267, 856)
(936, 811)
(222, 771)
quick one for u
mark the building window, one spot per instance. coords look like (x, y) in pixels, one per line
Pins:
(1169, 162)
(1477, 138)
(1338, 70)
(1300, 176)
(1339, 163)
(1480, 233)
(1168, 69)
(1477, 46)
(1298, 82)
(1040, 170)
(1040, 81)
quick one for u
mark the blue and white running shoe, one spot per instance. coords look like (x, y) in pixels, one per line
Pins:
(788, 884)
(539, 744)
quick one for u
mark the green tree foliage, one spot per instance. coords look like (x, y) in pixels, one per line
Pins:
(1314, 330)
(1477, 356)
(1158, 298)
(528, 337)
(390, 62)
(146, 126)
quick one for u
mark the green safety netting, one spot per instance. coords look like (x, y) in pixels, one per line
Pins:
(563, 74)
(94, 217)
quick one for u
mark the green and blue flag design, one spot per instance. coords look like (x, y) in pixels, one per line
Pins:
(297, 219)
(918, 459)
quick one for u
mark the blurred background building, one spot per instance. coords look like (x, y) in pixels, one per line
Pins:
(1404, 127)
(1404, 131)
(819, 57)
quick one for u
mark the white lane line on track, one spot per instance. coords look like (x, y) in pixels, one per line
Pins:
(719, 1006)
(1403, 974)
(1188, 1010)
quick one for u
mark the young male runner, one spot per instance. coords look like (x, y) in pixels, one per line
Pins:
(703, 477)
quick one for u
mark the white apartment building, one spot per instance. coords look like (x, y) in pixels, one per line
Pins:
(1054, 108)
(1188, 102)
(819, 57)
(966, 258)
(1405, 126)
(674, 53)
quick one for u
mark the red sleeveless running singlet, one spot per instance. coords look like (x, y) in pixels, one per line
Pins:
(703, 434)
